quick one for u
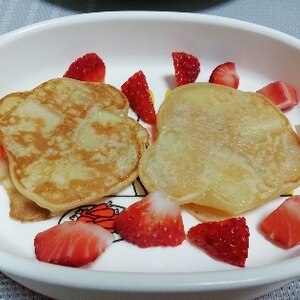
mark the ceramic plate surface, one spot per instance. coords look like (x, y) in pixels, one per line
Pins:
(128, 42)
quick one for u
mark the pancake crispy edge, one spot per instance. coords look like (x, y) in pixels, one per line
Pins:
(70, 143)
(221, 148)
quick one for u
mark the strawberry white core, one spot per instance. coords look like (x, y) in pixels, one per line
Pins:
(163, 203)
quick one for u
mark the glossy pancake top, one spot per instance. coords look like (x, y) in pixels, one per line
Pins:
(221, 148)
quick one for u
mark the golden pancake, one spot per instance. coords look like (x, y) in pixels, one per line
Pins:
(221, 148)
(205, 213)
(21, 208)
(70, 143)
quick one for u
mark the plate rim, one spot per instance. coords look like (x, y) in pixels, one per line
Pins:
(135, 281)
(142, 15)
(160, 281)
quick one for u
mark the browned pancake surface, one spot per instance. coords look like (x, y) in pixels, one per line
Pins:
(70, 143)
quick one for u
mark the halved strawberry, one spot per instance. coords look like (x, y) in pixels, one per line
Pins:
(283, 225)
(72, 243)
(89, 67)
(153, 221)
(186, 66)
(137, 91)
(281, 93)
(225, 74)
(226, 240)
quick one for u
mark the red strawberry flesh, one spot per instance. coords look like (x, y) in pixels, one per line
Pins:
(137, 92)
(71, 243)
(283, 225)
(225, 74)
(153, 221)
(2, 152)
(226, 240)
(89, 67)
(186, 66)
(281, 93)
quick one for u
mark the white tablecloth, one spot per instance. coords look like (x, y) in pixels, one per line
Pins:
(277, 14)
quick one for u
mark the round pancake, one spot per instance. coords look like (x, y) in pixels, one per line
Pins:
(221, 148)
(70, 143)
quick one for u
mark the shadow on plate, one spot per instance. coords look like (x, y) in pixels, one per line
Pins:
(166, 5)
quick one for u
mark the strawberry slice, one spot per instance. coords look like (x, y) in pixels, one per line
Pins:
(225, 74)
(89, 67)
(72, 243)
(137, 91)
(226, 240)
(2, 155)
(186, 66)
(153, 221)
(281, 93)
(283, 225)
(3, 164)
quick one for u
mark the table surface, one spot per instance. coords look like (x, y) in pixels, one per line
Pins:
(277, 14)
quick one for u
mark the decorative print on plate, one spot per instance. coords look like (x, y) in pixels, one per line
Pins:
(104, 213)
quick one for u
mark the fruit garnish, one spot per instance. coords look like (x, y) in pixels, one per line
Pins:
(226, 240)
(283, 225)
(89, 67)
(225, 74)
(281, 93)
(152, 221)
(186, 67)
(3, 164)
(137, 91)
(1, 152)
(72, 243)
(153, 133)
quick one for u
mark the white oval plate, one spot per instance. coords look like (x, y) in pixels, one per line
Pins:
(127, 42)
